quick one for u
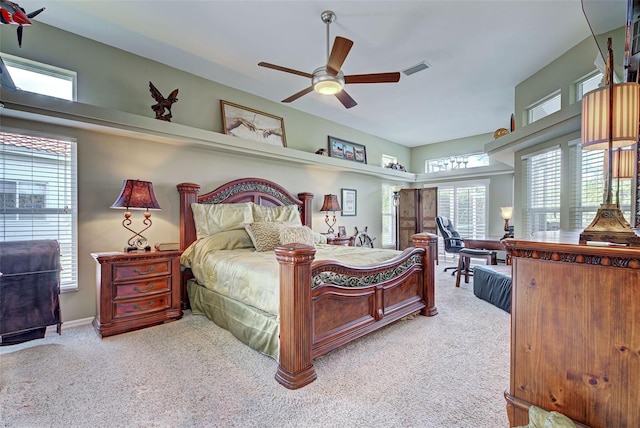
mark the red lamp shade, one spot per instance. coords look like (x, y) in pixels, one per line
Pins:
(136, 194)
(330, 203)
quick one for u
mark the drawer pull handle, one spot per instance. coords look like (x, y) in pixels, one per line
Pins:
(137, 307)
(139, 272)
(149, 288)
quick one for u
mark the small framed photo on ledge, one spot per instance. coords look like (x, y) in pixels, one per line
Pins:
(342, 231)
(349, 202)
(347, 150)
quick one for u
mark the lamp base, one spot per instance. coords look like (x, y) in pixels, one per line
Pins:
(131, 249)
(609, 225)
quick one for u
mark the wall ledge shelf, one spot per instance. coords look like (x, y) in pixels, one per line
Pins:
(555, 125)
(54, 111)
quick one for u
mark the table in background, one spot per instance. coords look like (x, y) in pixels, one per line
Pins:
(487, 244)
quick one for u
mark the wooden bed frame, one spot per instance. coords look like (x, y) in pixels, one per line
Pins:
(324, 304)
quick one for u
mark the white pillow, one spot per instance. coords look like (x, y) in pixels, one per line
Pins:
(286, 213)
(214, 218)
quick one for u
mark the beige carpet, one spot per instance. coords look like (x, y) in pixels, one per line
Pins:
(445, 371)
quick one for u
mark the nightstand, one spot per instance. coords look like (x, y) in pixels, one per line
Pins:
(345, 241)
(136, 290)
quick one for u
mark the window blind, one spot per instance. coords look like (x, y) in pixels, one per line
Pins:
(465, 206)
(588, 187)
(38, 195)
(388, 217)
(542, 175)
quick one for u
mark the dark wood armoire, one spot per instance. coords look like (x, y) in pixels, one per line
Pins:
(417, 210)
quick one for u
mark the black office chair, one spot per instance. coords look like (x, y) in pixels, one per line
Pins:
(454, 244)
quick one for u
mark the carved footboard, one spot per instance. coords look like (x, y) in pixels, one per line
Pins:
(344, 303)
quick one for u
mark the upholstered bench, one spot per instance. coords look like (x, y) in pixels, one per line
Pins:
(493, 284)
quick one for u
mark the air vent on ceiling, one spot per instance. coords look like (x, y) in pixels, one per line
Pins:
(418, 67)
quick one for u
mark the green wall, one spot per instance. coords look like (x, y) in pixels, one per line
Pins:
(119, 81)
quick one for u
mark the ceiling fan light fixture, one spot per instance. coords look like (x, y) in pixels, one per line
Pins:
(325, 83)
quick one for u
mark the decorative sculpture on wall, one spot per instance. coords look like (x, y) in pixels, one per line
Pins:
(163, 103)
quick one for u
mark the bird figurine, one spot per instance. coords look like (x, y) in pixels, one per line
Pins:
(163, 103)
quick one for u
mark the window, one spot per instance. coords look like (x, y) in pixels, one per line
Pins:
(588, 84)
(386, 160)
(38, 195)
(544, 107)
(457, 162)
(542, 175)
(589, 182)
(44, 79)
(465, 205)
(388, 217)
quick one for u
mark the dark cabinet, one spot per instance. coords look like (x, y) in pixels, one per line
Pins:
(417, 210)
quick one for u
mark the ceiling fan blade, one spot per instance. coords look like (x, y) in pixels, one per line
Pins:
(373, 78)
(339, 52)
(285, 69)
(298, 95)
(346, 99)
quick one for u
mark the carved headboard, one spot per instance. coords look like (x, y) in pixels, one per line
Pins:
(256, 190)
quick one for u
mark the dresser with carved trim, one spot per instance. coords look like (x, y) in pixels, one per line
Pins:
(136, 290)
(575, 331)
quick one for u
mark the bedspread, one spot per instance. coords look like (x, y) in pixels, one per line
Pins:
(251, 277)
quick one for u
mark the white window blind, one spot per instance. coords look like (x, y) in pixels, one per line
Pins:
(388, 217)
(542, 175)
(465, 206)
(589, 186)
(38, 197)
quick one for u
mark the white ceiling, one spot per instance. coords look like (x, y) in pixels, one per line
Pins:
(478, 52)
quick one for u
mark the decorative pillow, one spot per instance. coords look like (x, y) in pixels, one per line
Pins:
(264, 235)
(299, 234)
(214, 218)
(227, 240)
(286, 213)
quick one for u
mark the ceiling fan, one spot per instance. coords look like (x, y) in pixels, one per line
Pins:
(329, 79)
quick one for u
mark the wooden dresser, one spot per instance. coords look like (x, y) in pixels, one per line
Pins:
(575, 331)
(136, 290)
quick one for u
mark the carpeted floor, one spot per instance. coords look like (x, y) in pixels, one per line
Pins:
(445, 371)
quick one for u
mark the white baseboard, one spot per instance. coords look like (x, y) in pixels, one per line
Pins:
(69, 324)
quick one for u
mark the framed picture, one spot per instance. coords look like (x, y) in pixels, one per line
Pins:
(342, 231)
(347, 150)
(349, 202)
(251, 124)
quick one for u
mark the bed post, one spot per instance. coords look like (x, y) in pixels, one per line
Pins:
(295, 368)
(188, 195)
(307, 210)
(428, 241)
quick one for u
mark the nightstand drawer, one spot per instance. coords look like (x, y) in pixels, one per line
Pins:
(141, 307)
(141, 288)
(141, 269)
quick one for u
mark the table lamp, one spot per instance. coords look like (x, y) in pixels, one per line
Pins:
(610, 118)
(137, 194)
(330, 204)
(506, 213)
(623, 166)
